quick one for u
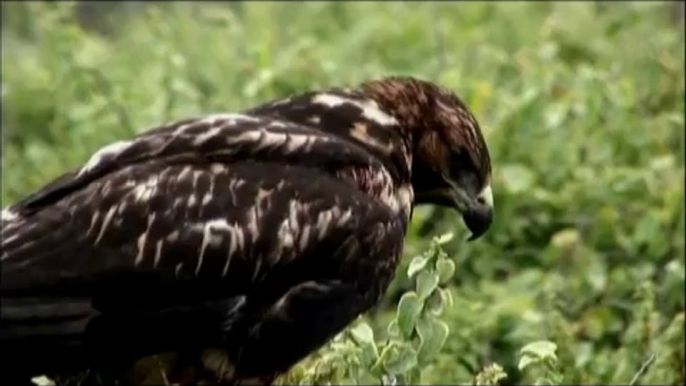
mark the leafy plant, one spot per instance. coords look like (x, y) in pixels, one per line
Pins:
(539, 358)
(415, 336)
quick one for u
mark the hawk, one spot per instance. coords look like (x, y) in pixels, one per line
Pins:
(236, 244)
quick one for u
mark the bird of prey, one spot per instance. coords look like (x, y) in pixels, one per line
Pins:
(235, 244)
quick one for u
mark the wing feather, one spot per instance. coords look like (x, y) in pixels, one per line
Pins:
(222, 138)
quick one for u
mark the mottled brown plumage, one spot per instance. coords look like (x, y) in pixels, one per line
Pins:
(210, 242)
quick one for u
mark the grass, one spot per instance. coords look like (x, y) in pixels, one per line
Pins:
(582, 105)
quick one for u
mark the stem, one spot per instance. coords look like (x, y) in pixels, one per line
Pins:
(643, 369)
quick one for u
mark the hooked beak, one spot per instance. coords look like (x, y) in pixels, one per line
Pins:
(477, 214)
(480, 217)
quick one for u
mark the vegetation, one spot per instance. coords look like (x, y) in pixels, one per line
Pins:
(581, 278)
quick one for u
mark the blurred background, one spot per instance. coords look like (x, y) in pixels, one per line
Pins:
(582, 106)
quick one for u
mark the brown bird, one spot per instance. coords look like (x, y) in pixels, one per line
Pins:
(233, 245)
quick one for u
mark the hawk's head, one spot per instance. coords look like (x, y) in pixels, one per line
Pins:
(451, 165)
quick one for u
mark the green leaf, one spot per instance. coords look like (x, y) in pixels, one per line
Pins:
(444, 238)
(447, 297)
(445, 268)
(393, 329)
(426, 283)
(565, 238)
(402, 361)
(491, 375)
(517, 178)
(416, 265)
(362, 334)
(432, 335)
(542, 349)
(647, 229)
(387, 352)
(525, 361)
(435, 304)
(409, 309)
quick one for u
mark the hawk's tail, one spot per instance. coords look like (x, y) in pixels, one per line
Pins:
(36, 334)
(38, 328)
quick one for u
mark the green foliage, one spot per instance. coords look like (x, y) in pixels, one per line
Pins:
(541, 356)
(490, 375)
(582, 105)
(414, 337)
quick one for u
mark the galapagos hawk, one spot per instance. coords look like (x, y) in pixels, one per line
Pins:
(237, 243)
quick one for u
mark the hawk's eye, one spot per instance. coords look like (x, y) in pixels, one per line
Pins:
(458, 162)
(462, 170)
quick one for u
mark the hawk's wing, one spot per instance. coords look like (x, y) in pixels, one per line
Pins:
(223, 138)
(170, 238)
